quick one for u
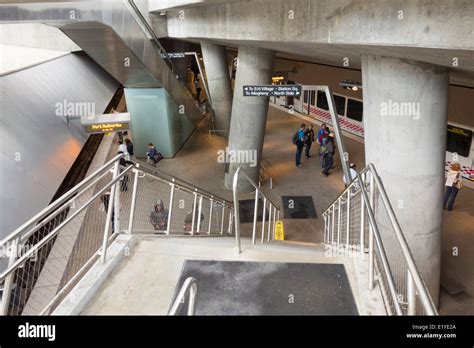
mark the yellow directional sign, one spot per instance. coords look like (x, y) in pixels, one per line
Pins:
(279, 231)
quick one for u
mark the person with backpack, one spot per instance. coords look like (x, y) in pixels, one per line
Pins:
(453, 185)
(329, 151)
(153, 156)
(322, 139)
(308, 139)
(298, 140)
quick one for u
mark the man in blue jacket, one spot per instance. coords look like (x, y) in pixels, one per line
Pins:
(300, 144)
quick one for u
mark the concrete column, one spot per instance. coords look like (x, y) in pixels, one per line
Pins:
(405, 116)
(215, 62)
(249, 114)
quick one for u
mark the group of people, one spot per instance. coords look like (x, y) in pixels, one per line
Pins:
(305, 137)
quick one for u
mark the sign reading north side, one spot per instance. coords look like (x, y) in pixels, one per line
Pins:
(272, 91)
(174, 55)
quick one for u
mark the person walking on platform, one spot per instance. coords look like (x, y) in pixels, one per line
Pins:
(129, 145)
(453, 185)
(298, 140)
(308, 139)
(329, 151)
(323, 135)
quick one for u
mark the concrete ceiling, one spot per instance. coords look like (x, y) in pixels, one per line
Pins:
(333, 54)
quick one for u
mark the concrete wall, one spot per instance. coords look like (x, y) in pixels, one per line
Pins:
(37, 147)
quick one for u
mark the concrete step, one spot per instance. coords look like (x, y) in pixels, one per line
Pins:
(146, 279)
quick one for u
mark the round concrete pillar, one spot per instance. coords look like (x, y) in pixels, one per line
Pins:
(249, 115)
(220, 89)
(405, 116)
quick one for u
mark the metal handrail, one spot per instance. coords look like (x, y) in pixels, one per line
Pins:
(56, 230)
(420, 286)
(150, 170)
(235, 190)
(161, 49)
(43, 213)
(151, 32)
(190, 286)
(419, 283)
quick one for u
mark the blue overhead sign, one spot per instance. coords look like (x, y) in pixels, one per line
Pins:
(272, 91)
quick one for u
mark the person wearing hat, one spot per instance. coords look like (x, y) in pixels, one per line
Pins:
(159, 217)
(328, 154)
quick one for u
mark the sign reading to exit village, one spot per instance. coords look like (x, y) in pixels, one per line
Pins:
(272, 91)
(106, 123)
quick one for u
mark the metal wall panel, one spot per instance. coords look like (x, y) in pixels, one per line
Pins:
(37, 147)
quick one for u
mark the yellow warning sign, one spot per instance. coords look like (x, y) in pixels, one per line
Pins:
(279, 231)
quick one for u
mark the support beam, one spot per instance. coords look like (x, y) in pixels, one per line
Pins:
(218, 79)
(249, 114)
(405, 116)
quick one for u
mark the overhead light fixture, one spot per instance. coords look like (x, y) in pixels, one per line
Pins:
(162, 13)
(351, 85)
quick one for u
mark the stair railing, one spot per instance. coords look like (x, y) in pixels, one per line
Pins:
(273, 211)
(362, 220)
(189, 287)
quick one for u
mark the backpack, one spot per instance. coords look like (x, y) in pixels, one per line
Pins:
(295, 138)
(323, 150)
(158, 157)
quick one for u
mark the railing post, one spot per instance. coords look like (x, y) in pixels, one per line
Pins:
(117, 206)
(333, 219)
(339, 222)
(170, 209)
(371, 234)
(134, 200)
(223, 216)
(269, 222)
(235, 193)
(210, 215)
(411, 294)
(348, 220)
(8, 283)
(110, 209)
(199, 215)
(231, 218)
(362, 218)
(194, 213)
(263, 217)
(255, 214)
(273, 227)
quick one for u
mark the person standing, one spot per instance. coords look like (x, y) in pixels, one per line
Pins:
(329, 154)
(321, 132)
(198, 88)
(298, 140)
(129, 145)
(453, 185)
(123, 149)
(353, 175)
(309, 139)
